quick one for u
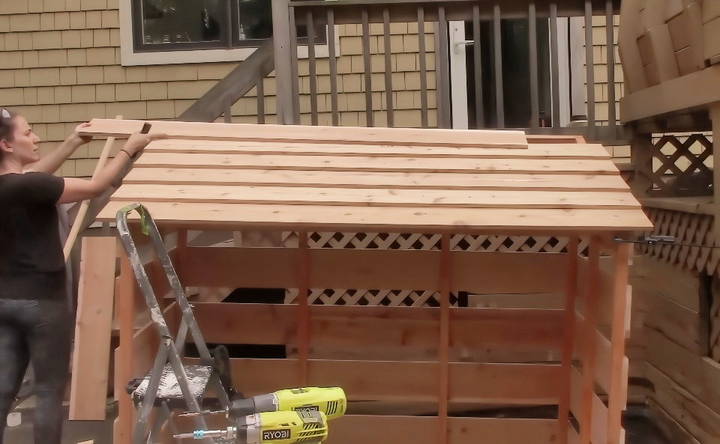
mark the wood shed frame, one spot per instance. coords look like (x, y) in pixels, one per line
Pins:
(494, 184)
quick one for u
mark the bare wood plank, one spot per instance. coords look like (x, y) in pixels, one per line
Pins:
(303, 310)
(445, 278)
(372, 269)
(423, 67)
(358, 429)
(339, 218)
(401, 164)
(669, 426)
(333, 66)
(367, 67)
(587, 406)
(477, 54)
(617, 394)
(125, 310)
(571, 290)
(312, 134)
(534, 150)
(342, 179)
(93, 325)
(374, 197)
(514, 384)
(389, 103)
(594, 425)
(368, 327)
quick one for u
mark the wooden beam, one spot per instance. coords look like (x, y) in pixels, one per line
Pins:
(93, 328)
(373, 269)
(446, 284)
(125, 313)
(312, 134)
(585, 415)
(571, 290)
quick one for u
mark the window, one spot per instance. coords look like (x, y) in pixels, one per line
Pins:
(187, 31)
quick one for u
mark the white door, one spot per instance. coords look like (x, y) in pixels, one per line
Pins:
(571, 59)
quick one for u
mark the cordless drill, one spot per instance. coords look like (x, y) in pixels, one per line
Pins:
(282, 427)
(329, 400)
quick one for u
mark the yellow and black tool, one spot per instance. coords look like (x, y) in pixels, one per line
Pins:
(329, 400)
(282, 427)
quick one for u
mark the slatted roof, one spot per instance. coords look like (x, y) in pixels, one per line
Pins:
(359, 179)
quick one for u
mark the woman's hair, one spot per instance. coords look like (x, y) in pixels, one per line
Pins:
(7, 124)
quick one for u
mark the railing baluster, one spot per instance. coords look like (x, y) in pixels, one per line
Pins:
(310, 24)
(443, 68)
(423, 67)
(497, 40)
(554, 66)
(333, 67)
(260, 88)
(589, 68)
(610, 29)
(534, 88)
(227, 115)
(368, 68)
(282, 48)
(295, 77)
(388, 69)
(477, 55)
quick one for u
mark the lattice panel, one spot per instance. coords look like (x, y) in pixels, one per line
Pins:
(682, 165)
(694, 237)
(413, 241)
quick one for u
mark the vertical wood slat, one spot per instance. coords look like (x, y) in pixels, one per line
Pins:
(610, 33)
(294, 81)
(388, 69)
(617, 397)
(303, 325)
(125, 312)
(589, 342)
(333, 67)
(444, 345)
(423, 67)
(571, 289)
(443, 68)
(497, 42)
(554, 66)
(368, 68)
(260, 89)
(589, 68)
(312, 66)
(477, 50)
(534, 88)
(282, 48)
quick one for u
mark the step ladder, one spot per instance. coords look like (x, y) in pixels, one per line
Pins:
(171, 384)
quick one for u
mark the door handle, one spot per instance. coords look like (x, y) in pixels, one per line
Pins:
(461, 43)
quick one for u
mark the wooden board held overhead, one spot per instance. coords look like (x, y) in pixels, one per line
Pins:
(313, 134)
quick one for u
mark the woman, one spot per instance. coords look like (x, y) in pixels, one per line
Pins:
(35, 320)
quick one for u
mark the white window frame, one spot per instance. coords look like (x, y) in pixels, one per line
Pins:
(128, 56)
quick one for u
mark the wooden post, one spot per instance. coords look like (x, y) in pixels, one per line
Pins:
(617, 398)
(303, 321)
(715, 117)
(125, 310)
(445, 288)
(641, 158)
(283, 70)
(592, 296)
(571, 288)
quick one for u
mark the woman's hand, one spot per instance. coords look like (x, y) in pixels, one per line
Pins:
(76, 138)
(137, 142)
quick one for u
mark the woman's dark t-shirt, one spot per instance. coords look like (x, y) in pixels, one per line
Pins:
(32, 265)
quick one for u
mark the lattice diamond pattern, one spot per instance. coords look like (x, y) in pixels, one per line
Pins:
(682, 165)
